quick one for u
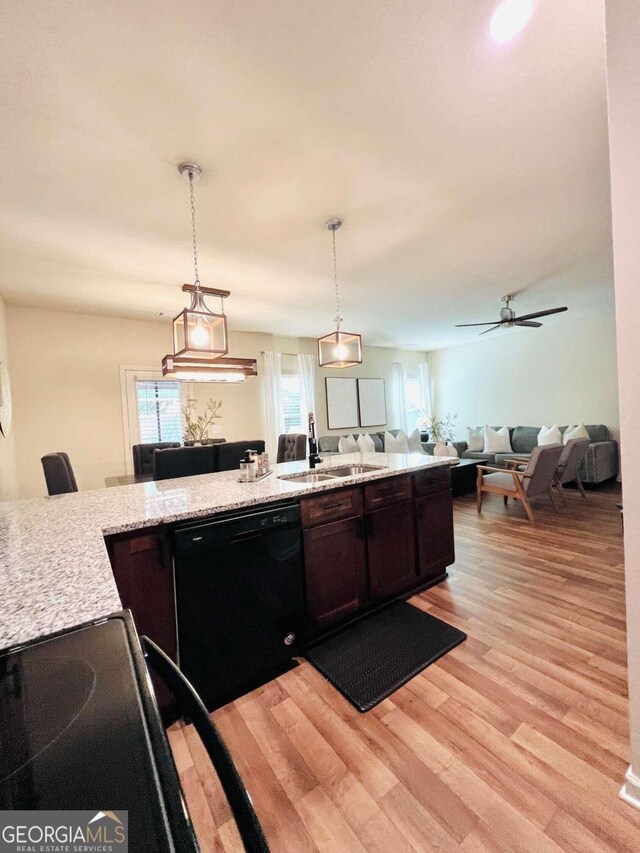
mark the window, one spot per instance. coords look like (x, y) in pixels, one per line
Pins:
(291, 401)
(158, 404)
(416, 395)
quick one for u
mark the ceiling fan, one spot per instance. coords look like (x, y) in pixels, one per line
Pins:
(508, 318)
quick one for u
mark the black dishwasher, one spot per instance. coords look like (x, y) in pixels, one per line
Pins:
(240, 600)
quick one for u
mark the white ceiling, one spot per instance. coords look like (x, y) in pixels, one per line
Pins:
(463, 170)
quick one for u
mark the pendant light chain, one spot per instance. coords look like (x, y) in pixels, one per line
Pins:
(338, 318)
(193, 231)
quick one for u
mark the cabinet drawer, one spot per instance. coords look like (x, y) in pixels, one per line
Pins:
(387, 492)
(428, 482)
(331, 506)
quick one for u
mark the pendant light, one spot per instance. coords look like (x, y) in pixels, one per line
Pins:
(338, 348)
(197, 331)
(200, 339)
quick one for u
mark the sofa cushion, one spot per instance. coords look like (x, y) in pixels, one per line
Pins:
(497, 441)
(328, 443)
(549, 435)
(476, 454)
(572, 431)
(366, 443)
(598, 432)
(524, 439)
(396, 443)
(475, 439)
(347, 444)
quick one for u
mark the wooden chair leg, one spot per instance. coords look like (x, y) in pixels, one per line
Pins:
(561, 494)
(522, 495)
(506, 499)
(581, 488)
(479, 497)
(553, 499)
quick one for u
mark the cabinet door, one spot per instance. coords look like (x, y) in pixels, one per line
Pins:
(143, 571)
(335, 571)
(391, 550)
(434, 521)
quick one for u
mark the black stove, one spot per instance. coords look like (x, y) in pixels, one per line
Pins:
(79, 729)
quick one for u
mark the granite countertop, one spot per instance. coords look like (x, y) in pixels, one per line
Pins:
(54, 567)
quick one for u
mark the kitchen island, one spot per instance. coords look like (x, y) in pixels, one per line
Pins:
(57, 571)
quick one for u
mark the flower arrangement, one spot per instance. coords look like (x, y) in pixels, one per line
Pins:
(196, 427)
(441, 429)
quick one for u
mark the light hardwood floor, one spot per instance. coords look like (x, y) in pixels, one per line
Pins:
(515, 740)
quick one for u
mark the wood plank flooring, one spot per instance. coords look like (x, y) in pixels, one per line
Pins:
(514, 741)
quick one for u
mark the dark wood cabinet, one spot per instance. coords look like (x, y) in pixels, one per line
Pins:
(391, 550)
(434, 527)
(143, 571)
(335, 570)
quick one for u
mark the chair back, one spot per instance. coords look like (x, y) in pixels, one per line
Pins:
(173, 462)
(227, 455)
(292, 447)
(541, 469)
(143, 455)
(58, 474)
(572, 457)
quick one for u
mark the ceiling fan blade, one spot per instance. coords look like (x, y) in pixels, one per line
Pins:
(541, 313)
(463, 325)
(528, 323)
(490, 330)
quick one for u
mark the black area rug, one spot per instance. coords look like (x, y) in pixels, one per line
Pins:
(367, 661)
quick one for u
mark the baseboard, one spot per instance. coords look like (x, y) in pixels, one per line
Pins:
(630, 791)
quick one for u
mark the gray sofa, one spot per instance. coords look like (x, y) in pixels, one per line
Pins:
(600, 464)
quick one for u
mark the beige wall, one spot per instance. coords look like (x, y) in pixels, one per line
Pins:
(623, 79)
(8, 479)
(564, 372)
(67, 393)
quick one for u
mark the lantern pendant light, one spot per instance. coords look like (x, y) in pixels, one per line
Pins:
(199, 333)
(338, 349)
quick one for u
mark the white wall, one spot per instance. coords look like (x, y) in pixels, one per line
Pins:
(67, 395)
(564, 372)
(623, 78)
(8, 479)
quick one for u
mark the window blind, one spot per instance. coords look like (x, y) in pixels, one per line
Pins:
(159, 405)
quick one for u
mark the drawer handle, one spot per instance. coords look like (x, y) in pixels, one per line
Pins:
(334, 505)
(387, 493)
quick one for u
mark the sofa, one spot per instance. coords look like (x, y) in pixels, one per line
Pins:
(600, 464)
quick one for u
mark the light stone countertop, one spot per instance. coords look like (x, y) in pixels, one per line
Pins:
(54, 568)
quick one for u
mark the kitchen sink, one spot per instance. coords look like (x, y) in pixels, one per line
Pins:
(352, 470)
(306, 477)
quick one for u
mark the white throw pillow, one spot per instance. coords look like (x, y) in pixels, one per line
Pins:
(415, 445)
(347, 444)
(497, 441)
(475, 440)
(397, 443)
(365, 444)
(550, 435)
(575, 432)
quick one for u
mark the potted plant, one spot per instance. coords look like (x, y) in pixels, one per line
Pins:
(196, 427)
(441, 430)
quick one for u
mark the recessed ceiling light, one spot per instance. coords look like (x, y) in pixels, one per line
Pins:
(509, 18)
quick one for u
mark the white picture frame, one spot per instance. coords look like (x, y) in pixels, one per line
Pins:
(372, 402)
(342, 402)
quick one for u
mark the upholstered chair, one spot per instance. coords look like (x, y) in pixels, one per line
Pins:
(537, 478)
(143, 455)
(292, 447)
(58, 474)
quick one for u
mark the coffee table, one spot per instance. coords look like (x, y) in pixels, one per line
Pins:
(463, 476)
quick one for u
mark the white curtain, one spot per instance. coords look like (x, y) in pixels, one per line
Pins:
(307, 375)
(399, 396)
(272, 400)
(425, 387)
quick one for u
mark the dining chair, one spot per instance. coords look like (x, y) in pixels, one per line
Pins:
(292, 447)
(171, 462)
(143, 455)
(537, 478)
(58, 474)
(228, 455)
